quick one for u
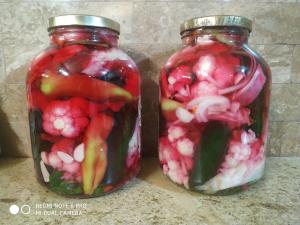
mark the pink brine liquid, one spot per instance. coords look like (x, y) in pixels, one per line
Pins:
(214, 112)
(83, 94)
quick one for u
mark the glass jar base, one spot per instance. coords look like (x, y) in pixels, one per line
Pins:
(224, 192)
(101, 190)
(231, 190)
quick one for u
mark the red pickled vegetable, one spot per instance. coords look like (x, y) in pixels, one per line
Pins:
(63, 157)
(180, 77)
(251, 90)
(64, 118)
(129, 74)
(37, 100)
(39, 64)
(65, 145)
(50, 138)
(78, 85)
(77, 62)
(67, 52)
(225, 72)
(187, 55)
(94, 165)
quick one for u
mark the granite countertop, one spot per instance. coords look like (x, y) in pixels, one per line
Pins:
(153, 199)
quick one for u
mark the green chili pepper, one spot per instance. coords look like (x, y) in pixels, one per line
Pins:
(210, 153)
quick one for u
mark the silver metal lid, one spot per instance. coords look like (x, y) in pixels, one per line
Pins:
(218, 20)
(83, 20)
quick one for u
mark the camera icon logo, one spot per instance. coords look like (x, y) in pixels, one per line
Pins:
(14, 209)
(24, 209)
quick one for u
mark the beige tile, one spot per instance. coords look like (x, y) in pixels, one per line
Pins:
(279, 58)
(284, 139)
(14, 102)
(33, 16)
(274, 139)
(22, 39)
(232, 1)
(15, 139)
(150, 57)
(290, 139)
(285, 104)
(296, 65)
(19, 74)
(2, 66)
(273, 22)
(218, 1)
(158, 24)
(262, 1)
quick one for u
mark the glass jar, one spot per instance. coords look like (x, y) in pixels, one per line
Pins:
(83, 98)
(214, 107)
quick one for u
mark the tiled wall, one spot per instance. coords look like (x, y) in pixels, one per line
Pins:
(150, 34)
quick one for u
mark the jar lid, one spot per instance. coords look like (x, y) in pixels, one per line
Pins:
(83, 20)
(219, 20)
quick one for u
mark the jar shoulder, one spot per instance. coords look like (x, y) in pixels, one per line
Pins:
(92, 60)
(259, 60)
(191, 54)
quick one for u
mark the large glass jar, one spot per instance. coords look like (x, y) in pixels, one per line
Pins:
(83, 95)
(214, 107)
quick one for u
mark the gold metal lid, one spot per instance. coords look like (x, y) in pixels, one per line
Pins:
(83, 20)
(219, 20)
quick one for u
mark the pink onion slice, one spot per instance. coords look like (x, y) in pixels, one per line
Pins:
(233, 88)
(202, 104)
(233, 118)
(247, 94)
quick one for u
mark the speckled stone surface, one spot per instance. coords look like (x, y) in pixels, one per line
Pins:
(153, 199)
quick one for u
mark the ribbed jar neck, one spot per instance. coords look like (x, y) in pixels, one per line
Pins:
(83, 35)
(229, 35)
